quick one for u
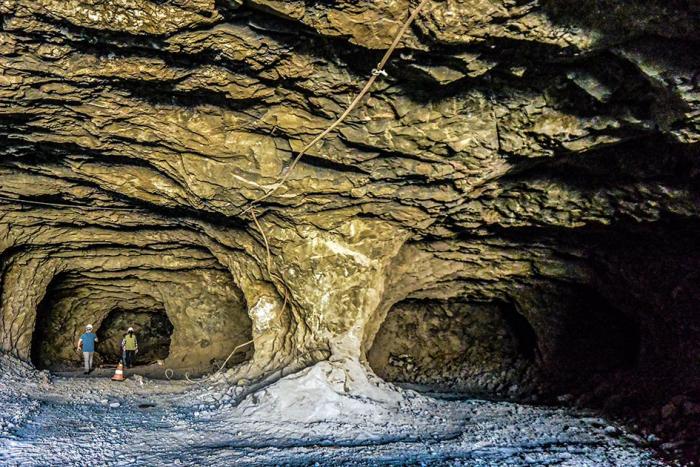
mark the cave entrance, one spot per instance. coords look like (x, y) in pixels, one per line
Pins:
(153, 331)
(455, 345)
(191, 324)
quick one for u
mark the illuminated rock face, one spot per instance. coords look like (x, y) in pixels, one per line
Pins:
(526, 162)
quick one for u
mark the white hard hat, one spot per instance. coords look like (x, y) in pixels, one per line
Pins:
(130, 330)
(89, 326)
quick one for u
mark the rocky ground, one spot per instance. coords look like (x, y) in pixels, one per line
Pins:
(303, 419)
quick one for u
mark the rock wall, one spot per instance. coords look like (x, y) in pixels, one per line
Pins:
(538, 153)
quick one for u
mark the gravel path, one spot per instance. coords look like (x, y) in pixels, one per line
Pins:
(144, 422)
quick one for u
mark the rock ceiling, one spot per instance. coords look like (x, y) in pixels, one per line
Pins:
(512, 151)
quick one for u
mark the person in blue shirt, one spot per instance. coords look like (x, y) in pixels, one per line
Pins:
(86, 343)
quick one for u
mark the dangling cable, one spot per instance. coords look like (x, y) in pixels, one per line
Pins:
(375, 74)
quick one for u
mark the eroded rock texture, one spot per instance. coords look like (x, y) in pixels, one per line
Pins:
(528, 162)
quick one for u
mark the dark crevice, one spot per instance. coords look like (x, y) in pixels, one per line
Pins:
(521, 330)
(42, 324)
(153, 332)
(648, 158)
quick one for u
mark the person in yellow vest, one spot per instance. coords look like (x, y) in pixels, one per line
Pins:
(130, 347)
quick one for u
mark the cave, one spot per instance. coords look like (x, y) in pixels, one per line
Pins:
(592, 335)
(391, 202)
(555, 338)
(521, 331)
(181, 331)
(457, 345)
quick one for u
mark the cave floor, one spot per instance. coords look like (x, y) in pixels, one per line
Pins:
(94, 421)
(153, 371)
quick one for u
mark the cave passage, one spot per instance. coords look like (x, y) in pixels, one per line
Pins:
(176, 328)
(44, 351)
(554, 338)
(474, 347)
(589, 334)
(153, 331)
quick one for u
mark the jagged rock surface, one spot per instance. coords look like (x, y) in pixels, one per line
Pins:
(539, 154)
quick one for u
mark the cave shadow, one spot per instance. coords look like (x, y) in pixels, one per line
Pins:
(42, 324)
(474, 348)
(640, 361)
(592, 336)
(615, 18)
(521, 331)
(153, 332)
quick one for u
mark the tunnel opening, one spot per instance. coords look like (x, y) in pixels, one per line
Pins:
(43, 355)
(454, 345)
(542, 341)
(153, 331)
(521, 331)
(178, 325)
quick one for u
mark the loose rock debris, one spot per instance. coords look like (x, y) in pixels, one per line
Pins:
(304, 418)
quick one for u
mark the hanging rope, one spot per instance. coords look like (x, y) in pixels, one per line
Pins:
(365, 90)
(284, 305)
(269, 259)
(223, 365)
(267, 244)
(375, 74)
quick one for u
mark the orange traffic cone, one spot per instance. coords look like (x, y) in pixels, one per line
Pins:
(119, 373)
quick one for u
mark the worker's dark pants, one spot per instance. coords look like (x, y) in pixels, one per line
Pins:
(129, 358)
